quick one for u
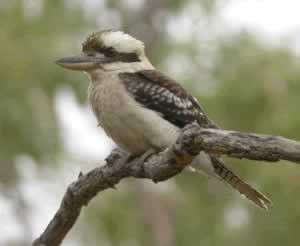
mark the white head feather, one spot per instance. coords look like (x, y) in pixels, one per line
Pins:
(122, 42)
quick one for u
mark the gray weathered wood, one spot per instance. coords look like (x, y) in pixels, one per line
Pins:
(161, 166)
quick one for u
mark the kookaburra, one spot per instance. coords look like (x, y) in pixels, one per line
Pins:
(139, 107)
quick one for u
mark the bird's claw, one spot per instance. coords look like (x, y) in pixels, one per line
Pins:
(191, 126)
(144, 157)
(114, 155)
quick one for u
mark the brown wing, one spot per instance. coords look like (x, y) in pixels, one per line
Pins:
(160, 93)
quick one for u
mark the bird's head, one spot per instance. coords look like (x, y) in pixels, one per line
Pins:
(108, 51)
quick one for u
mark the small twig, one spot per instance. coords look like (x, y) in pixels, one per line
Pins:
(162, 166)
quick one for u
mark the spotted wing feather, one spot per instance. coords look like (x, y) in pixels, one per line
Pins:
(157, 92)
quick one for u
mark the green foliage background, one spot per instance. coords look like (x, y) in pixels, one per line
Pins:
(243, 83)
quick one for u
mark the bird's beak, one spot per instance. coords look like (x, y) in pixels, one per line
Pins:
(80, 63)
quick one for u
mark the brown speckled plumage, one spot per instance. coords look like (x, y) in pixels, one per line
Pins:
(160, 93)
(141, 108)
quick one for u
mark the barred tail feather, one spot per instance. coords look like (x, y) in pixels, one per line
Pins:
(245, 189)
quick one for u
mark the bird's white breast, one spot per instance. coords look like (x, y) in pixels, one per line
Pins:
(131, 126)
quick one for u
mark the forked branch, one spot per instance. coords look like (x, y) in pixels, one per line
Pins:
(161, 166)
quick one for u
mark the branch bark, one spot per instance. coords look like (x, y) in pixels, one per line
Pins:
(162, 166)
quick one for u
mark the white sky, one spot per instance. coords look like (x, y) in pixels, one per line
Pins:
(270, 18)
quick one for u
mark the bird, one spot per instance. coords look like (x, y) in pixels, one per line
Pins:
(140, 108)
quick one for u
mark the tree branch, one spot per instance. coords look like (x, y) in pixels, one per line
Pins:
(162, 166)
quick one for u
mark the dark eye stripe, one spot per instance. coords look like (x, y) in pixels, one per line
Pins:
(122, 57)
(128, 57)
(113, 54)
(108, 52)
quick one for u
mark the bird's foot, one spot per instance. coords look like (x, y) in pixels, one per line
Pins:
(144, 157)
(191, 127)
(140, 158)
(115, 155)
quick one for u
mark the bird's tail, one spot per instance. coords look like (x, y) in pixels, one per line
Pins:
(245, 189)
(227, 176)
